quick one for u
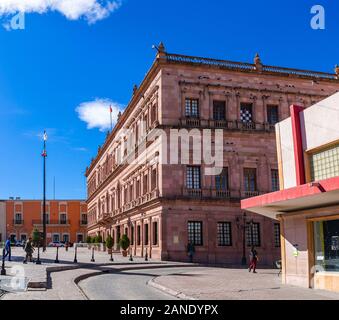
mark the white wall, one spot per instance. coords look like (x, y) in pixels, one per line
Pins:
(284, 133)
(319, 126)
(321, 122)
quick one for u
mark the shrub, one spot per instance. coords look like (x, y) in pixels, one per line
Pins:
(89, 239)
(124, 242)
(36, 237)
(109, 242)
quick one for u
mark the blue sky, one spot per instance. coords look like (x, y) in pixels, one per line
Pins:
(56, 64)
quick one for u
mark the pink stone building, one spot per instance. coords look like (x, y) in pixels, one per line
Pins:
(162, 205)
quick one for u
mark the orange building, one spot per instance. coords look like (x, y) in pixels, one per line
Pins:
(66, 219)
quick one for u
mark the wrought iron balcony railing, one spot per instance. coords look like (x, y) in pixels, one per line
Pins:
(52, 222)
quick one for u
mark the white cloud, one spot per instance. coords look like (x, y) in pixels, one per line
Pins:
(90, 10)
(97, 113)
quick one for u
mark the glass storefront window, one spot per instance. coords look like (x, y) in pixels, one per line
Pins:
(326, 244)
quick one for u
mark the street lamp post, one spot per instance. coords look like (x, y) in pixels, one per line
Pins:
(251, 225)
(44, 155)
(243, 259)
(3, 270)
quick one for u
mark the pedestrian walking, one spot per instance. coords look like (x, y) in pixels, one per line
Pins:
(67, 245)
(190, 250)
(253, 260)
(29, 250)
(8, 249)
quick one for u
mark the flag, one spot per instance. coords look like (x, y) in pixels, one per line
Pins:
(45, 136)
(110, 109)
(44, 154)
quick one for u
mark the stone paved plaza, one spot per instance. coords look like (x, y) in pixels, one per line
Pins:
(141, 279)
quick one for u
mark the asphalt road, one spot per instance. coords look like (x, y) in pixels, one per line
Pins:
(127, 285)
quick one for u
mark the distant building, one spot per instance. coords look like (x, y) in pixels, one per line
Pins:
(161, 205)
(308, 204)
(2, 221)
(66, 219)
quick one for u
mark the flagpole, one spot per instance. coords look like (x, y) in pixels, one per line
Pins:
(44, 196)
(110, 113)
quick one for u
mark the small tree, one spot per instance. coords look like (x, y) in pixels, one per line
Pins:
(98, 239)
(109, 242)
(89, 239)
(36, 236)
(93, 240)
(124, 244)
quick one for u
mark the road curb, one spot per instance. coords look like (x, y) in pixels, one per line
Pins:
(169, 291)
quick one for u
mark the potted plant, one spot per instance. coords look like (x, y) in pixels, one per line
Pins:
(124, 244)
(109, 245)
(89, 241)
(36, 237)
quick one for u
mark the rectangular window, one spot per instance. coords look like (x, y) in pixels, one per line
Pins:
(221, 181)
(277, 235)
(253, 234)
(193, 178)
(250, 179)
(219, 110)
(138, 235)
(275, 180)
(132, 235)
(325, 164)
(145, 183)
(125, 195)
(155, 233)
(63, 218)
(56, 237)
(146, 235)
(137, 189)
(154, 179)
(246, 115)
(326, 245)
(84, 219)
(65, 238)
(195, 233)
(192, 108)
(272, 114)
(18, 218)
(224, 235)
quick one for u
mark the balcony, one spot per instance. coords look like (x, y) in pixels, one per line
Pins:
(227, 125)
(18, 222)
(206, 193)
(52, 222)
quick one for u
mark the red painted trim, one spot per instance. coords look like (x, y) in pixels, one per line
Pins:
(305, 190)
(298, 144)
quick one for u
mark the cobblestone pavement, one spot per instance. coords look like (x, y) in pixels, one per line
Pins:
(235, 284)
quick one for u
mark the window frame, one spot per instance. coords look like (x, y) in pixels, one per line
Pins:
(248, 235)
(200, 241)
(189, 108)
(221, 236)
(191, 178)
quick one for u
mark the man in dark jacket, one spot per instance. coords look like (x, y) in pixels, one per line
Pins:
(29, 250)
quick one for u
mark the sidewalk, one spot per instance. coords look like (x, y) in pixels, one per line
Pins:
(37, 275)
(234, 284)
